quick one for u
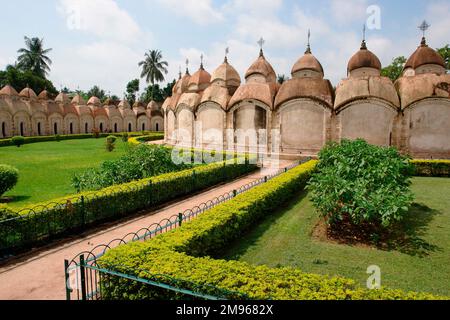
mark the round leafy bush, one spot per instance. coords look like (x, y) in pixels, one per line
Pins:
(362, 184)
(18, 141)
(8, 178)
(111, 139)
(125, 137)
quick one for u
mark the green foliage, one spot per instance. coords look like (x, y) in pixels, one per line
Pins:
(125, 137)
(95, 91)
(19, 80)
(140, 162)
(34, 57)
(431, 168)
(110, 146)
(362, 183)
(395, 69)
(132, 90)
(88, 208)
(179, 254)
(9, 176)
(111, 139)
(445, 53)
(58, 137)
(18, 141)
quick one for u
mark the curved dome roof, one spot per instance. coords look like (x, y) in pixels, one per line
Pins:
(424, 55)
(62, 98)
(201, 77)
(28, 93)
(217, 94)
(307, 62)
(412, 89)
(43, 95)
(314, 88)
(124, 104)
(225, 72)
(190, 99)
(364, 58)
(359, 88)
(78, 99)
(94, 101)
(264, 92)
(153, 105)
(8, 91)
(263, 67)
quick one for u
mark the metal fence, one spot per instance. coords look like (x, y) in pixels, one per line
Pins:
(84, 276)
(26, 228)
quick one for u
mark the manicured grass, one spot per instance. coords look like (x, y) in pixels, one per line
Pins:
(423, 264)
(46, 168)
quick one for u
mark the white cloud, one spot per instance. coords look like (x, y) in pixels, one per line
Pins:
(202, 12)
(103, 18)
(438, 14)
(255, 8)
(107, 64)
(348, 11)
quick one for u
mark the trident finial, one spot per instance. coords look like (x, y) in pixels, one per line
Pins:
(308, 48)
(261, 43)
(227, 51)
(363, 44)
(187, 66)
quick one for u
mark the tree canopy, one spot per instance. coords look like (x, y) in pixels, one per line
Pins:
(34, 57)
(22, 79)
(395, 69)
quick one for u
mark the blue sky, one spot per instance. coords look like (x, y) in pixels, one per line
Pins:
(100, 42)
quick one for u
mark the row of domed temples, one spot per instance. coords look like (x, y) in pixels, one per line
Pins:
(300, 116)
(27, 114)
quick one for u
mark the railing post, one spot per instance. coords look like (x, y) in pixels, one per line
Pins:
(180, 219)
(67, 278)
(83, 212)
(83, 278)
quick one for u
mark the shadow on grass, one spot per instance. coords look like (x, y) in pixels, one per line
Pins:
(13, 199)
(252, 235)
(408, 236)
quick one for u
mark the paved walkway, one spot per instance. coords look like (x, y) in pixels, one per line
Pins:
(40, 275)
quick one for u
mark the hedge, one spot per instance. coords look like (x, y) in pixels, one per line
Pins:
(180, 254)
(28, 140)
(70, 214)
(432, 168)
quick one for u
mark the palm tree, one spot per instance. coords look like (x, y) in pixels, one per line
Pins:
(153, 68)
(34, 57)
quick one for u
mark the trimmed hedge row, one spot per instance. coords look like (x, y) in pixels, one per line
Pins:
(69, 214)
(180, 254)
(28, 140)
(432, 168)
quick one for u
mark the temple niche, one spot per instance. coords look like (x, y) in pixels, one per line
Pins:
(27, 114)
(304, 106)
(367, 104)
(424, 90)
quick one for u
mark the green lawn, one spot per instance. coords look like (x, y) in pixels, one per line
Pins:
(46, 168)
(285, 239)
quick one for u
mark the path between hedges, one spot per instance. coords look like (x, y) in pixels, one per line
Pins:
(40, 275)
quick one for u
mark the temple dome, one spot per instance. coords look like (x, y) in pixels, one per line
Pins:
(424, 55)
(182, 84)
(124, 104)
(43, 95)
(78, 100)
(8, 91)
(94, 101)
(28, 93)
(307, 62)
(199, 80)
(262, 67)
(364, 58)
(62, 98)
(226, 72)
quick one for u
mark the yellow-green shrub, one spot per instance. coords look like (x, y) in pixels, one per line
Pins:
(180, 254)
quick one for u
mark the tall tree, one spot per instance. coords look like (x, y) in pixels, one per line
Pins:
(281, 78)
(395, 69)
(132, 90)
(19, 80)
(97, 92)
(34, 57)
(445, 53)
(153, 68)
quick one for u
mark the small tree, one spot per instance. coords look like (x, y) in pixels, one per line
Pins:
(18, 141)
(395, 69)
(361, 184)
(8, 178)
(111, 143)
